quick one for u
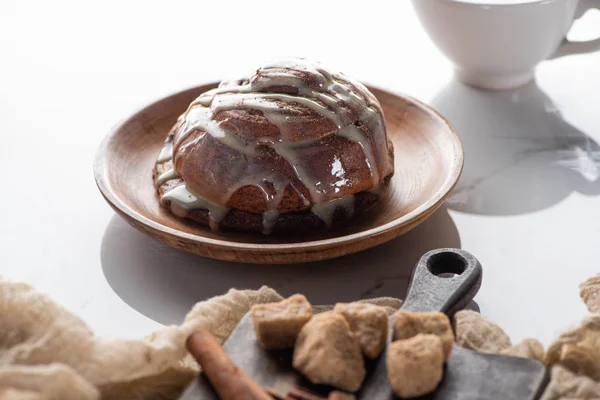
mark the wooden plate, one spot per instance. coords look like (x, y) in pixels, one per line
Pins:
(429, 160)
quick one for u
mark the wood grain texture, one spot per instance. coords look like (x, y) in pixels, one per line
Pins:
(428, 162)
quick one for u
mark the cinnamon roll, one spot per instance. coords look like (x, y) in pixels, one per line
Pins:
(293, 147)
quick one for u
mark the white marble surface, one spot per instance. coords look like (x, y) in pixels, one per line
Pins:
(528, 204)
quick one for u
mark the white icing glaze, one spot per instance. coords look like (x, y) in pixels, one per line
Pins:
(166, 153)
(167, 176)
(182, 201)
(269, 220)
(305, 201)
(326, 210)
(337, 170)
(353, 133)
(253, 100)
(201, 118)
(288, 153)
(333, 96)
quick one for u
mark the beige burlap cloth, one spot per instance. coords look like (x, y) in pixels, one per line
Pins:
(48, 353)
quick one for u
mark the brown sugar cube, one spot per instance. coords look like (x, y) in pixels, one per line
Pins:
(415, 366)
(277, 324)
(407, 324)
(369, 323)
(327, 352)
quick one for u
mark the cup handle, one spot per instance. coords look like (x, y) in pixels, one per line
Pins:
(568, 47)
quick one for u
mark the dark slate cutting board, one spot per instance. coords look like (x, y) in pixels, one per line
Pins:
(444, 280)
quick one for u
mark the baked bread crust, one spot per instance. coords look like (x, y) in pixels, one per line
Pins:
(292, 148)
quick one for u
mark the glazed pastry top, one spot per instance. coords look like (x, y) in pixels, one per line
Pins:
(293, 136)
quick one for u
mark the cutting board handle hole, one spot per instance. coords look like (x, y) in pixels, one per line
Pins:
(446, 264)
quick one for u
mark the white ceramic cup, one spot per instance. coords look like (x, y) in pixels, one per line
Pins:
(496, 44)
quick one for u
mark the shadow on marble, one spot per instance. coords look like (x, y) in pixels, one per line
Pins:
(520, 153)
(163, 283)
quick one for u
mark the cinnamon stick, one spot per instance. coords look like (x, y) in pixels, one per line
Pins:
(295, 393)
(229, 381)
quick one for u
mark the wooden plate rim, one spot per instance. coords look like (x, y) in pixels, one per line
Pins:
(101, 166)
